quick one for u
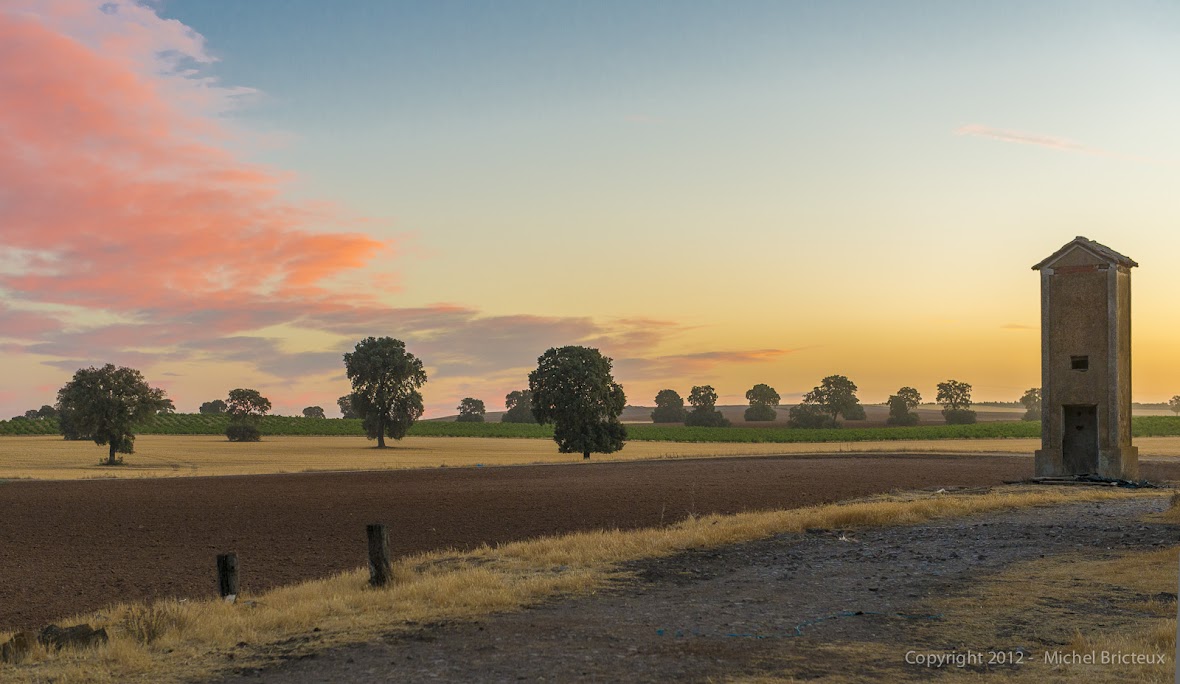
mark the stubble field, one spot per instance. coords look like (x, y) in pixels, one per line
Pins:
(52, 458)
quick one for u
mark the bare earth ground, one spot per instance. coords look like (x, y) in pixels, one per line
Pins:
(801, 607)
(72, 547)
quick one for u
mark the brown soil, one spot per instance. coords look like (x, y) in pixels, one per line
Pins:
(73, 547)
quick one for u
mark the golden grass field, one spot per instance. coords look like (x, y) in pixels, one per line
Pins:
(52, 458)
(171, 641)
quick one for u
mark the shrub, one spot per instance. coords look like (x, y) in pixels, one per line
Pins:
(242, 432)
(760, 413)
(698, 418)
(900, 414)
(959, 416)
(855, 412)
(810, 416)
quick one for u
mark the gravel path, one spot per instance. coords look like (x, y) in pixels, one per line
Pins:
(744, 609)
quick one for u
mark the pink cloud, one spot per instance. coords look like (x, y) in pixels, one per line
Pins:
(105, 170)
(119, 195)
(1025, 138)
(1045, 141)
(25, 324)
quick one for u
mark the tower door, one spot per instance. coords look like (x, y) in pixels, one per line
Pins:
(1079, 445)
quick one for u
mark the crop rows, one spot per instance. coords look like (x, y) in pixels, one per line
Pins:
(198, 424)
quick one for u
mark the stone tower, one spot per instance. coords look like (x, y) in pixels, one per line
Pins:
(1086, 363)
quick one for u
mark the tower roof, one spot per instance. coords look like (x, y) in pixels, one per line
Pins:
(1097, 249)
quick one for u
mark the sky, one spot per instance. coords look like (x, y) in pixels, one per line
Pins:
(223, 193)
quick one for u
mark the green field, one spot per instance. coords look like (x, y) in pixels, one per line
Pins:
(197, 424)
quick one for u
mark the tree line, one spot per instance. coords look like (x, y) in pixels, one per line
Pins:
(571, 388)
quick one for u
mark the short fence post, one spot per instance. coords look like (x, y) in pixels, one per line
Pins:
(379, 573)
(227, 576)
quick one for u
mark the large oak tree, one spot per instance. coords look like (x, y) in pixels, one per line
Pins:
(106, 404)
(385, 381)
(573, 388)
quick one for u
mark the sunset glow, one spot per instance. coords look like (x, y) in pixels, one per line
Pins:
(709, 193)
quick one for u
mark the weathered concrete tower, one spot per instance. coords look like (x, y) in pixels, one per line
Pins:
(1086, 363)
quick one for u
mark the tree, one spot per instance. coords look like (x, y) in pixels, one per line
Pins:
(520, 407)
(836, 396)
(762, 400)
(245, 407)
(47, 411)
(385, 381)
(911, 397)
(573, 388)
(166, 408)
(213, 408)
(955, 398)
(106, 404)
(669, 407)
(902, 405)
(470, 411)
(1031, 401)
(31, 414)
(703, 399)
(314, 412)
(1174, 404)
(346, 409)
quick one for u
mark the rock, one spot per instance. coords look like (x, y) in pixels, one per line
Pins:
(78, 636)
(16, 648)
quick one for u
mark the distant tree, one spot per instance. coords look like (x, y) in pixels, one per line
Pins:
(31, 414)
(1031, 401)
(245, 407)
(762, 400)
(902, 405)
(520, 407)
(47, 411)
(385, 381)
(1174, 404)
(703, 399)
(955, 398)
(346, 409)
(212, 408)
(470, 411)
(836, 396)
(669, 407)
(911, 397)
(106, 404)
(573, 388)
(314, 412)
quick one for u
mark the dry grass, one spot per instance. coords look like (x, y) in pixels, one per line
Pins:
(170, 641)
(52, 458)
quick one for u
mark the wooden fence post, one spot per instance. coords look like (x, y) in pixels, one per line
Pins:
(379, 572)
(227, 576)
